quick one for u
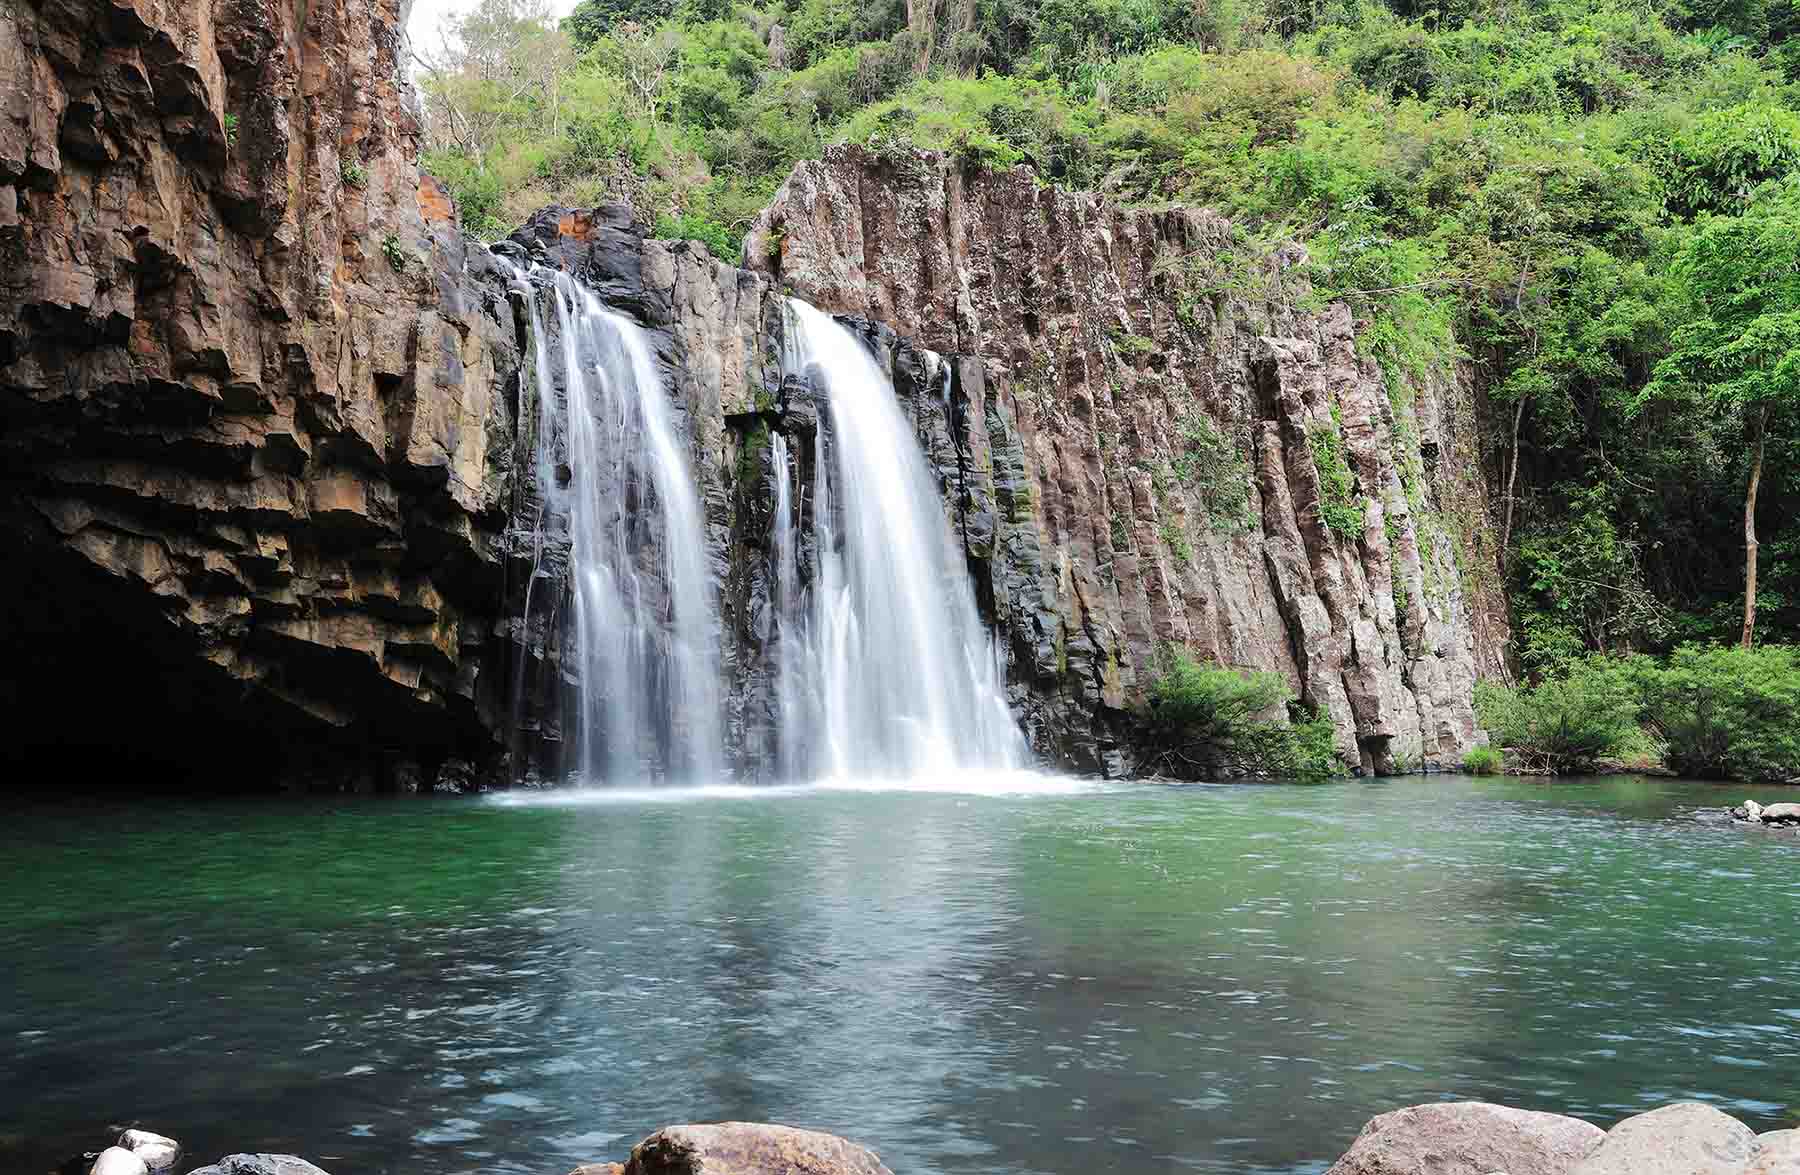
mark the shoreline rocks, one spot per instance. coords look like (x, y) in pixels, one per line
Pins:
(1478, 1138)
(1780, 815)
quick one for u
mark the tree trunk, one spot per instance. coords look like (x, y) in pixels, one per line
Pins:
(1756, 460)
(1512, 478)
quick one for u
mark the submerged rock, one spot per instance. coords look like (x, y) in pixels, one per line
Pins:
(742, 1148)
(1468, 1138)
(116, 1160)
(1687, 1138)
(159, 1152)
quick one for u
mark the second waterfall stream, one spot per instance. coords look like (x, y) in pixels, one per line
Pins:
(887, 668)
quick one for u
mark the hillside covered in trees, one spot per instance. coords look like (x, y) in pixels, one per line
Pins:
(1595, 206)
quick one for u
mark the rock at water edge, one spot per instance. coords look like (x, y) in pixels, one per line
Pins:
(159, 1152)
(1687, 1138)
(1468, 1138)
(116, 1160)
(1777, 1153)
(260, 1165)
(750, 1148)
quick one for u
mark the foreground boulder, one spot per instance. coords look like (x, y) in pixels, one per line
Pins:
(116, 1160)
(1777, 1153)
(260, 1165)
(159, 1152)
(742, 1148)
(1468, 1138)
(1687, 1138)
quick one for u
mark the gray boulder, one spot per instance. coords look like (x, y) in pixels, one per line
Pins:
(1748, 810)
(1468, 1138)
(1777, 1153)
(1781, 814)
(159, 1152)
(1687, 1138)
(260, 1165)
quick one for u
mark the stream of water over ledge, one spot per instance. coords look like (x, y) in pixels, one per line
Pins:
(998, 973)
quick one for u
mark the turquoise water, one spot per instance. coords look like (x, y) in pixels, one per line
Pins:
(1088, 977)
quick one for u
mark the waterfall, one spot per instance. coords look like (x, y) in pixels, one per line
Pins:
(639, 645)
(893, 671)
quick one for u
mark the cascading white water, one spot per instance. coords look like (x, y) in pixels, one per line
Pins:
(897, 674)
(640, 643)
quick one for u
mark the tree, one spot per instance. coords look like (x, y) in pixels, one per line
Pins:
(1740, 344)
(593, 19)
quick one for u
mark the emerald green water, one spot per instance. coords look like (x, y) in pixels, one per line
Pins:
(1209, 978)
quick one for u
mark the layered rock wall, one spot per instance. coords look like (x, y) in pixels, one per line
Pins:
(256, 396)
(1135, 447)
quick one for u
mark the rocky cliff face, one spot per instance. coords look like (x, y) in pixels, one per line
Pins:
(1147, 447)
(265, 418)
(257, 398)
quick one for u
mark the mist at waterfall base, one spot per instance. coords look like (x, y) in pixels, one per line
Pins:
(883, 666)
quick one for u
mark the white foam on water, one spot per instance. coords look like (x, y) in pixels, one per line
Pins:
(997, 783)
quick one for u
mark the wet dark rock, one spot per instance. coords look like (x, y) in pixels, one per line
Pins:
(260, 1164)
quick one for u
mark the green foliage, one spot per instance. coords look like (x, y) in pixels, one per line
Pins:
(354, 174)
(1728, 712)
(1203, 720)
(1177, 542)
(592, 19)
(720, 241)
(396, 253)
(1483, 761)
(1339, 505)
(231, 129)
(1568, 723)
(1211, 466)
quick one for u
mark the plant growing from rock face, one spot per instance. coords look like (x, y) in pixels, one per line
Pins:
(1214, 470)
(396, 253)
(354, 174)
(231, 128)
(1339, 506)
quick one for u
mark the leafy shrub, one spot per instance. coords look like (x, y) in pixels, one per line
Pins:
(720, 241)
(1202, 720)
(1728, 711)
(1483, 761)
(1567, 724)
(354, 174)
